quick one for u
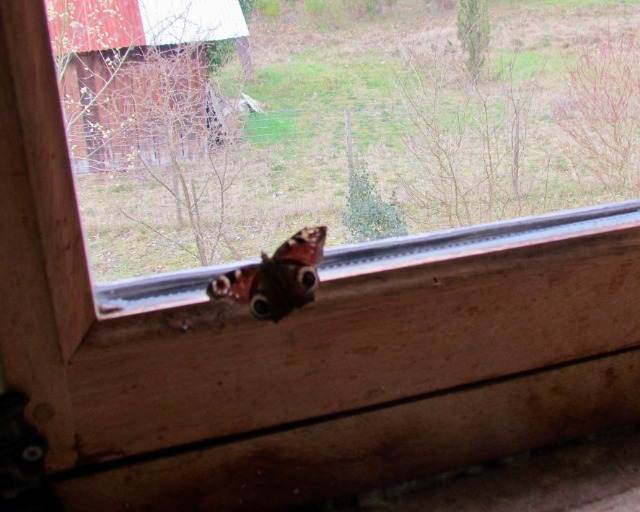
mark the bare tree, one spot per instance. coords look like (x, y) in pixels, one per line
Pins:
(600, 115)
(183, 140)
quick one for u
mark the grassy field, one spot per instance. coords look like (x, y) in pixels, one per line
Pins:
(441, 145)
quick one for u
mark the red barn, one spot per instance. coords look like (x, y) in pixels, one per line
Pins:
(97, 45)
(92, 25)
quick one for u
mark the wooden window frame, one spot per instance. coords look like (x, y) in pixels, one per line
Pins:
(391, 374)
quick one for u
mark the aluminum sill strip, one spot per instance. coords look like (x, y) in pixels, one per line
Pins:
(188, 287)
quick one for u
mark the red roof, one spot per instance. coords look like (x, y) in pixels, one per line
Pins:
(94, 25)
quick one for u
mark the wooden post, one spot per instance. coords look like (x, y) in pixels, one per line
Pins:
(243, 49)
(47, 302)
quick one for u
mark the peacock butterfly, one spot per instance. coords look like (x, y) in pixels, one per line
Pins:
(278, 284)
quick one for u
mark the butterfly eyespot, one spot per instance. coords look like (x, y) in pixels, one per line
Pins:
(260, 307)
(308, 278)
(221, 285)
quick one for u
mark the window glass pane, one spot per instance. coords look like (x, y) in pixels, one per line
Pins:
(199, 139)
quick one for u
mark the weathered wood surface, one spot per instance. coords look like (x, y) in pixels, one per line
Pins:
(36, 119)
(41, 259)
(375, 448)
(184, 375)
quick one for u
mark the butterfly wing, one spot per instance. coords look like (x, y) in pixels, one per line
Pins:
(270, 300)
(298, 281)
(237, 285)
(255, 285)
(304, 248)
(295, 264)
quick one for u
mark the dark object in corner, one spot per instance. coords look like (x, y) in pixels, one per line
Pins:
(22, 452)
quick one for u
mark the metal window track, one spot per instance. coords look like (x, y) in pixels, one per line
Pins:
(188, 286)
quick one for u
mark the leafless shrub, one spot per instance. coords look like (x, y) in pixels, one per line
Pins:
(601, 115)
(469, 141)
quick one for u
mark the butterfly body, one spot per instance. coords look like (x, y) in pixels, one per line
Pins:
(280, 283)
